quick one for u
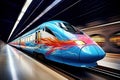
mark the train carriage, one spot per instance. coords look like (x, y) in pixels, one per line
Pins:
(58, 41)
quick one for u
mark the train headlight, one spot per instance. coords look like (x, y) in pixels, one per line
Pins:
(80, 42)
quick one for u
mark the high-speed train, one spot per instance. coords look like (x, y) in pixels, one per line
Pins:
(60, 42)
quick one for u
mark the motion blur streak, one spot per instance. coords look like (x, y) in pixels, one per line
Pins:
(107, 24)
(28, 2)
(42, 13)
(11, 64)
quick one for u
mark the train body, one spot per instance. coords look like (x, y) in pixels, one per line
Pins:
(58, 41)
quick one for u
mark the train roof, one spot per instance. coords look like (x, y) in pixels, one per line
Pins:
(32, 31)
(54, 21)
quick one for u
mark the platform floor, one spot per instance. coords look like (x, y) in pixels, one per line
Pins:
(111, 60)
(15, 65)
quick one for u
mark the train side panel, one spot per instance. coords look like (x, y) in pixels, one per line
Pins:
(59, 42)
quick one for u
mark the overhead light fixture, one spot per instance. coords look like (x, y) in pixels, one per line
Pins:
(40, 15)
(65, 9)
(102, 25)
(26, 5)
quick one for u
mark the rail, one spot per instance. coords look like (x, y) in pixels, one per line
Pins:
(107, 71)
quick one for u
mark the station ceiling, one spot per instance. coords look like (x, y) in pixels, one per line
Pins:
(76, 12)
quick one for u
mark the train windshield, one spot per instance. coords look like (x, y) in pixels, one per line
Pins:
(67, 27)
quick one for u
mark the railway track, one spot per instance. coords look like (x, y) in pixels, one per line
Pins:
(102, 73)
(107, 71)
(67, 73)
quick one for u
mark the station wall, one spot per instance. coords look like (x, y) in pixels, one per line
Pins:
(110, 36)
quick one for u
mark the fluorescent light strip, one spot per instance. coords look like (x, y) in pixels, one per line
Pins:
(11, 64)
(20, 16)
(33, 11)
(39, 16)
(108, 24)
(65, 9)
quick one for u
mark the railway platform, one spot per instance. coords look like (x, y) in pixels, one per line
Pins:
(15, 65)
(111, 60)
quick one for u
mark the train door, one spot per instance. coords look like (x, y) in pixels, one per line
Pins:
(40, 47)
(43, 40)
(38, 37)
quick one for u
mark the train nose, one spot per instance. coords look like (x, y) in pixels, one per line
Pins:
(91, 53)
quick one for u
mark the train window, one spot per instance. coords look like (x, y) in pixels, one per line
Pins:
(23, 40)
(67, 27)
(38, 38)
(44, 29)
(49, 31)
(31, 38)
(79, 32)
(115, 40)
(28, 39)
(99, 39)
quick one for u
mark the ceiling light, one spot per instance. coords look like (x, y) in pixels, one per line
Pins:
(26, 5)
